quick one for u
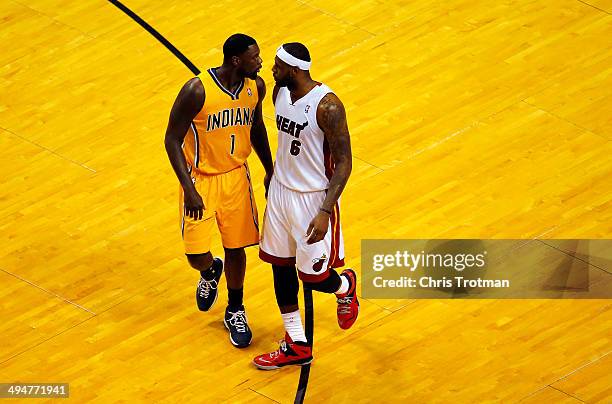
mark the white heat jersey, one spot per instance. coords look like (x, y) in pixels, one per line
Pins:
(303, 159)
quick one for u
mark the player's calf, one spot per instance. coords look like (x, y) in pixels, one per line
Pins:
(344, 286)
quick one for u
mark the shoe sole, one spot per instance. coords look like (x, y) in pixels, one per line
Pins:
(234, 342)
(217, 293)
(273, 367)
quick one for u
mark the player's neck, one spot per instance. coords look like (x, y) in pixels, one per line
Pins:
(300, 88)
(228, 77)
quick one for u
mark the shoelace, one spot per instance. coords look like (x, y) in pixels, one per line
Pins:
(204, 287)
(282, 347)
(238, 320)
(344, 305)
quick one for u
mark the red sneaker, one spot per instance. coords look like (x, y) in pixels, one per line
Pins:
(289, 353)
(348, 305)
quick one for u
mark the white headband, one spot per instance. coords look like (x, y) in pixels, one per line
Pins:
(292, 60)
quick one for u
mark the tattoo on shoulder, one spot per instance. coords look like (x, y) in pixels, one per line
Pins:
(333, 116)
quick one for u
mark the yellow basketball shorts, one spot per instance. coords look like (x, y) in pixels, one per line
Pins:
(228, 200)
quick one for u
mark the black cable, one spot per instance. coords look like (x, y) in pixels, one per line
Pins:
(309, 331)
(157, 36)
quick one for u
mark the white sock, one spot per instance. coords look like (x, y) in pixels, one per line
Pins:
(344, 285)
(293, 325)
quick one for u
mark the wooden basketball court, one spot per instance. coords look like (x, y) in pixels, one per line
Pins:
(468, 120)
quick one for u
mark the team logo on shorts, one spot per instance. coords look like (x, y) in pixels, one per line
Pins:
(249, 92)
(317, 263)
(307, 108)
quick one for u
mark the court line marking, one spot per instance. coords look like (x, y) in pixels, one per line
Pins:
(54, 19)
(329, 14)
(568, 253)
(565, 120)
(566, 393)
(443, 140)
(263, 395)
(595, 7)
(48, 291)
(565, 377)
(70, 328)
(49, 150)
(46, 340)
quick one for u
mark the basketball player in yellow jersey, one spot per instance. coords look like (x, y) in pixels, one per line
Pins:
(214, 122)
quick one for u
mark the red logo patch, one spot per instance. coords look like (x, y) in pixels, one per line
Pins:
(318, 263)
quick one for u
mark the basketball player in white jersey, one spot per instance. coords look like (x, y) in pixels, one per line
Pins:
(302, 220)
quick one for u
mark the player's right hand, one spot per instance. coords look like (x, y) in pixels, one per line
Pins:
(267, 179)
(194, 205)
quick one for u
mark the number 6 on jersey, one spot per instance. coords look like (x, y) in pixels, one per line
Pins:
(295, 147)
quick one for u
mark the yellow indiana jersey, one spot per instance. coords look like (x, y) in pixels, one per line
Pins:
(219, 139)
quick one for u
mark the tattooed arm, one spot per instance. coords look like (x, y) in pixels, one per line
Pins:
(331, 117)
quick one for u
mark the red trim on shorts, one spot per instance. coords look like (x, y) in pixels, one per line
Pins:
(271, 259)
(338, 263)
(313, 278)
(334, 260)
(333, 252)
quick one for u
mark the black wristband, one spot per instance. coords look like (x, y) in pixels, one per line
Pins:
(326, 211)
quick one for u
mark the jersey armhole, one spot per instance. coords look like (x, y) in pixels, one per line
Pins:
(277, 94)
(257, 91)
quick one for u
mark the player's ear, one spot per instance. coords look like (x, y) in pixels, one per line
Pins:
(236, 61)
(293, 72)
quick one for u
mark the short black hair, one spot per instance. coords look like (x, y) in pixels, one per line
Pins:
(236, 45)
(298, 50)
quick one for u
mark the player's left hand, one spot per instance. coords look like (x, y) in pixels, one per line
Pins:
(317, 228)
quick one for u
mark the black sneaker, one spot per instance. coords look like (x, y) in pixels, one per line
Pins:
(236, 322)
(206, 293)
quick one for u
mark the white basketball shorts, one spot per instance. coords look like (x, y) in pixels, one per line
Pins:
(283, 236)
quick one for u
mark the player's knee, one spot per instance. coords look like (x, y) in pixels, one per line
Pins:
(286, 285)
(329, 285)
(234, 253)
(201, 262)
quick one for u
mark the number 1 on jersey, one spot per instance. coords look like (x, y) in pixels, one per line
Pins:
(233, 143)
